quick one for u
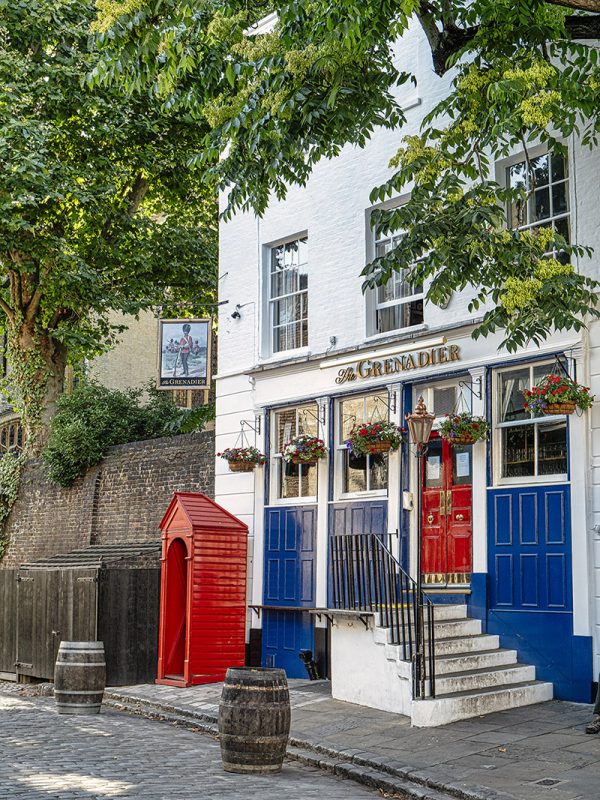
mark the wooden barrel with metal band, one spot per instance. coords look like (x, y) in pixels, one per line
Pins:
(79, 677)
(254, 719)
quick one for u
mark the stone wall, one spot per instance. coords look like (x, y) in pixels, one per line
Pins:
(121, 499)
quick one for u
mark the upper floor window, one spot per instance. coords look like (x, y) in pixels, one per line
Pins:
(288, 295)
(293, 481)
(529, 446)
(546, 182)
(361, 473)
(398, 303)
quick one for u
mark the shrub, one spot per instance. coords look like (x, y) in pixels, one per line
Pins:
(93, 418)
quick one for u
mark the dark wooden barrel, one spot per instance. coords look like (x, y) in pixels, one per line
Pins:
(79, 677)
(254, 719)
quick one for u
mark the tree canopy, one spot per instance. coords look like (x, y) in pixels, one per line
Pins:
(98, 211)
(518, 73)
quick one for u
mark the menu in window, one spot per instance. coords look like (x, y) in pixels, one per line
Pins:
(433, 468)
(463, 465)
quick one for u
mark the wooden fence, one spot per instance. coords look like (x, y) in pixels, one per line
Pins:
(8, 621)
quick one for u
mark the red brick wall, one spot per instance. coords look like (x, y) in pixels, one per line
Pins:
(121, 499)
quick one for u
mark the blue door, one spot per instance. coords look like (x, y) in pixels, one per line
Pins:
(289, 584)
(530, 585)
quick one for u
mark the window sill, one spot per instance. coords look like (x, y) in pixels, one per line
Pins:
(399, 333)
(285, 355)
(507, 483)
(352, 498)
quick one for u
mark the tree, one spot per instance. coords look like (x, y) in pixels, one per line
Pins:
(517, 72)
(98, 212)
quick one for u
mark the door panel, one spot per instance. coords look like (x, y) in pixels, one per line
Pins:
(447, 530)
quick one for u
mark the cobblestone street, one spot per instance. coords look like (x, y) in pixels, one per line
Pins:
(44, 756)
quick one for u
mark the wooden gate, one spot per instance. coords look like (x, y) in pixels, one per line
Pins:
(8, 629)
(52, 605)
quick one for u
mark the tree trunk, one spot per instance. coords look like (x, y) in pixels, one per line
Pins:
(38, 363)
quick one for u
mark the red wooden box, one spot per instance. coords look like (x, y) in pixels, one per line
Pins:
(203, 592)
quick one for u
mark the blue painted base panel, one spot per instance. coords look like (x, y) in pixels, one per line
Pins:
(447, 599)
(546, 641)
(285, 633)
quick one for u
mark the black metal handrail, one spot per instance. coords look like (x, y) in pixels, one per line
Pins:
(366, 576)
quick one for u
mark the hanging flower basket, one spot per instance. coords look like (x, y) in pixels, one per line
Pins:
(557, 394)
(464, 429)
(304, 449)
(372, 438)
(242, 459)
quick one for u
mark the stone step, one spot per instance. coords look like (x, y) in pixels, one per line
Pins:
(488, 677)
(445, 611)
(465, 662)
(443, 629)
(444, 709)
(461, 645)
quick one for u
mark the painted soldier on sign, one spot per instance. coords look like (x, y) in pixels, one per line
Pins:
(185, 347)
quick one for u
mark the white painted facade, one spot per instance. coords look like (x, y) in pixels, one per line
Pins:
(333, 212)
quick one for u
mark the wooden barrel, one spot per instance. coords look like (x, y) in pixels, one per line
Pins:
(79, 677)
(254, 720)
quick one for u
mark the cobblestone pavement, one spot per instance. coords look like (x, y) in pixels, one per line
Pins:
(537, 752)
(44, 756)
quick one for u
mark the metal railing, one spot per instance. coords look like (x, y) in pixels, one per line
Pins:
(365, 576)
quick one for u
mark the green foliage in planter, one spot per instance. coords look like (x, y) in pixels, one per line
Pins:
(93, 418)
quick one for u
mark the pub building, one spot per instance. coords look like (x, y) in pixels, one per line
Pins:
(506, 537)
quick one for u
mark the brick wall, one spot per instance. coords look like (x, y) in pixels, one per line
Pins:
(122, 499)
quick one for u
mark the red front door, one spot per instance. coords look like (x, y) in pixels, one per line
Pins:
(446, 514)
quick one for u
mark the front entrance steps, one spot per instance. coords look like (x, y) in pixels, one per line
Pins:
(474, 675)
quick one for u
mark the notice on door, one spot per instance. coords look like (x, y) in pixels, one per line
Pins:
(433, 468)
(463, 465)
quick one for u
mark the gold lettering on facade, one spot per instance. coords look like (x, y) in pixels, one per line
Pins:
(368, 368)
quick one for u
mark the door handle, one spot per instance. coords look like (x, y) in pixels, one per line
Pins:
(449, 502)
(430, 518)
(442, 504)
(459, 517)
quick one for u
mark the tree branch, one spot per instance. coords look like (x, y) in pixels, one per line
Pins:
(582, 5)
(136, 194)
(7, 310)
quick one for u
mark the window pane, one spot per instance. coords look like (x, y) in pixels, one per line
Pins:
(308, 481)
(290, 480)
(307, 420)
(559, 199)
(378, 471)
(404, 315)
(433, 465)
(542, 204)
(376, 408)
(512, 385)
(444, 401)
(552, 449)
(559, 168)
(517, 176)
(285, 426)
(462, 465)
(539, 169)
(351, 412)
(355, 473)
(518, 454)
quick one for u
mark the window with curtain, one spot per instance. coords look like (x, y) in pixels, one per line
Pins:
(293, 481)
(288, 295)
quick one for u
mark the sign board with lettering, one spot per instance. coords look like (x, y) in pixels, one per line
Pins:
(377, 368)
(184, 359)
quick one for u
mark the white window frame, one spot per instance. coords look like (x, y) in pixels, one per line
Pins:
(270, 301)
(379, 305)
(498, 455)
(276, 462)
(502, 168)
(428, 395)
(340, 450)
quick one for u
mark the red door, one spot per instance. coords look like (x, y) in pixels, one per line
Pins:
(446, 514)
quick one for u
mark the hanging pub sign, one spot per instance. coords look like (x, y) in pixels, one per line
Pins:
(184, 353)
(376, 368)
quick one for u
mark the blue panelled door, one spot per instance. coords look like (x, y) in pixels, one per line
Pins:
(289, 582)
(530, 584)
